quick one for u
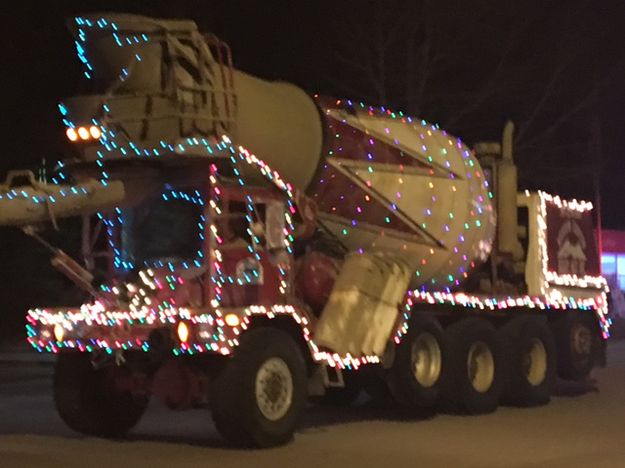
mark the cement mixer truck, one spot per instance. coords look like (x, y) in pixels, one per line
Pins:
(247, 245)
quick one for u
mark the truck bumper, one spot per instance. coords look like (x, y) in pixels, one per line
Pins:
(183, 331)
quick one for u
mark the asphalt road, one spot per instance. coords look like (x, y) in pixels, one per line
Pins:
(584, 426)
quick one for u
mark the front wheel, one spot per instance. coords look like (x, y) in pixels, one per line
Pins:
(89, 401)
(258, 398)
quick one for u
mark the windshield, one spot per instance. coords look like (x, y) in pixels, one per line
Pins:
(164, 231)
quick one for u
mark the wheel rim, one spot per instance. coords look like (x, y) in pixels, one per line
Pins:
(481, 366)
(274, 388)
(536, 363)
(581, 340)
(426, 359)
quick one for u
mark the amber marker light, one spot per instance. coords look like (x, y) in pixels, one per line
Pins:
(95, 132)
(59, 332)
(83, 133)
(71, 134)
(183, 332)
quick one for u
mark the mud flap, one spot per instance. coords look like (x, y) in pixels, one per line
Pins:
(601, 354)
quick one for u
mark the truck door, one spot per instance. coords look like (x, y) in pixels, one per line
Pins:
(255, 261)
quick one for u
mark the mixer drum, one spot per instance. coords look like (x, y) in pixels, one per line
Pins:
(405, 189)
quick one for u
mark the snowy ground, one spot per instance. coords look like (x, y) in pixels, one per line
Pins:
(583, 426)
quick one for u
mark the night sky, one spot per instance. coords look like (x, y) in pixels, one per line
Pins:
(556, 68)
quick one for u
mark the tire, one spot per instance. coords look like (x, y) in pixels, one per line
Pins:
(246, 411)
(576, 339)
(415, 379)
(473, 380)
(87, 400)
(530, 361)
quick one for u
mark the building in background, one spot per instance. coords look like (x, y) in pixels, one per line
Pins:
(613, 258)
(613, 268)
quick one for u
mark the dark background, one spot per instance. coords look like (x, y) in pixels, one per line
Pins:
(556, 68)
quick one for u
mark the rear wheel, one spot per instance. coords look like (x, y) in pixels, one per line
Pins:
(473, 381)
(259, 396)
(529, 351)
(416, 376)
(576, 340)
(89, 401)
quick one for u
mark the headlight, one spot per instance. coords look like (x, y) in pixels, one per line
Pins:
(232, 320)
